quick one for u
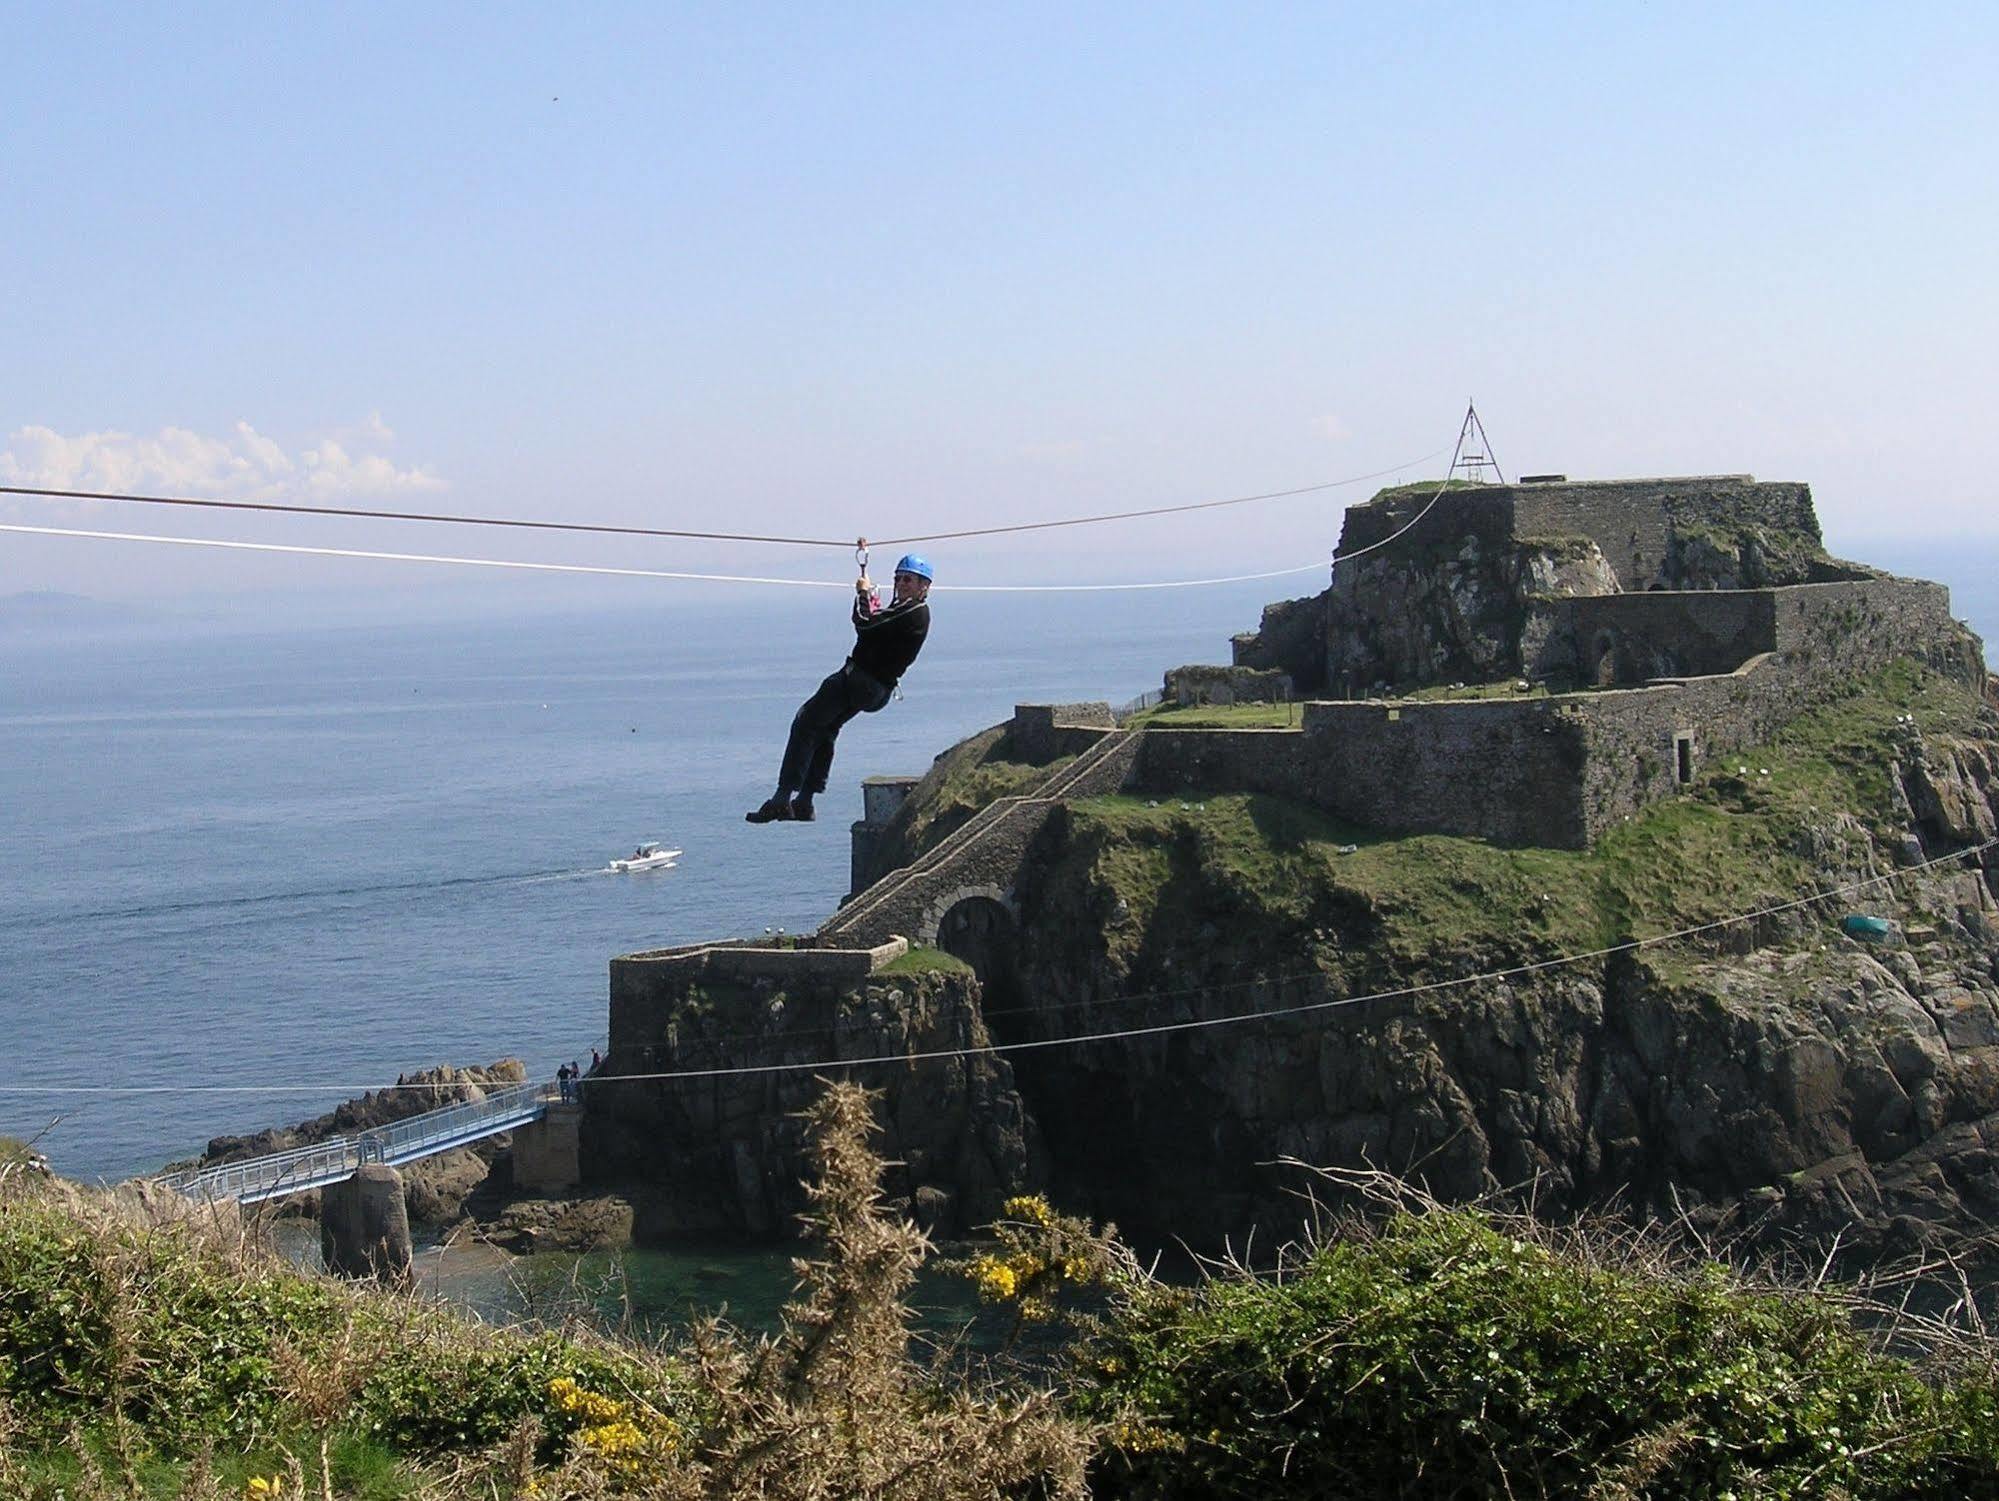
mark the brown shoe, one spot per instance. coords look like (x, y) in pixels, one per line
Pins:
(801, 810)
(774, 810)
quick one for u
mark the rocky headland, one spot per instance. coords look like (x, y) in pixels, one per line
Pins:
(1663, 1010)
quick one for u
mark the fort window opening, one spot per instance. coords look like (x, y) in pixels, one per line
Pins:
(1683, 756)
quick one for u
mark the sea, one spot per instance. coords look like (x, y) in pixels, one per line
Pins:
(249, 870)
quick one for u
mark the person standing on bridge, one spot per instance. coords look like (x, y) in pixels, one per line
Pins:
(886, 641)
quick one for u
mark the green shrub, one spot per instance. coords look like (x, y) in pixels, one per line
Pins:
(96, 1310)
(1444, 1357)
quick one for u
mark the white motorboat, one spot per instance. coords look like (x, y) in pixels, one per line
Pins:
(646, 857)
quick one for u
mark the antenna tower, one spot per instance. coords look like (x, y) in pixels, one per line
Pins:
(1474, 452)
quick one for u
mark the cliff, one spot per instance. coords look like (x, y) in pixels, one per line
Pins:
(1475, 585)
(721, 1151)
(1777, 1072)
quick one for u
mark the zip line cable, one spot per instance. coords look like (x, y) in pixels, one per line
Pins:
(372, 555)
(1205, 505)
(292, 509)
(642, 573)
(1080, 1039)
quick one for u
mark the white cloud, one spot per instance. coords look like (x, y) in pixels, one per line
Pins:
(244, 465)
(1331, 427)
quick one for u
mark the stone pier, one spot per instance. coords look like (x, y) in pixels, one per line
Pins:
(548, 1155)
(364, 1228)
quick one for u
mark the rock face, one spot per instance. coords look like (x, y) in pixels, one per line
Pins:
(1776, 1075)
(724, 1153)
(1419, 616)
(1779, 1075)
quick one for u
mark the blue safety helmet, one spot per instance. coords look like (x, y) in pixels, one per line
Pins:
(914, 563)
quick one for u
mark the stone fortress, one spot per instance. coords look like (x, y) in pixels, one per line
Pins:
(1525, 664)
(1540, 660)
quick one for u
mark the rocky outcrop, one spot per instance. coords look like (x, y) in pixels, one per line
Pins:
(722, 1152)
(1779, 1075)
(1776, 1075)
(1435, 587)
(1417, 615)
(434, 1188)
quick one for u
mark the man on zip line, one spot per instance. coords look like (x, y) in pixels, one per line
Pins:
(886, 641)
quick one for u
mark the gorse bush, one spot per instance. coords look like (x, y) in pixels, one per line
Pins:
(136, 1347)
(197, 1337)
(1434, 1353)
(1441, 1355)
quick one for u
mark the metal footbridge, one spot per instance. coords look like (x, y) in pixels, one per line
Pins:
(255, 1179)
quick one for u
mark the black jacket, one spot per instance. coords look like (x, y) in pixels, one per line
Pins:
(886, 642)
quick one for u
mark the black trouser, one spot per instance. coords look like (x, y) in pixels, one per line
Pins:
(808, 754)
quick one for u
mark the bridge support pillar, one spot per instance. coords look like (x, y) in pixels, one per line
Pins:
(364, 1228)
(548, 1154)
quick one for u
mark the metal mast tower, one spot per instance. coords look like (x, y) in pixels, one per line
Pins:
(1474, 453)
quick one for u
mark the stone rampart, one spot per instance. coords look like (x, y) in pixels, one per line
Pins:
(1634, 522)
(1561, 770)
(1627, 639)
(1500, 769)
(986, 853)
(1226, 685)
(1040, 733)
(637, 980)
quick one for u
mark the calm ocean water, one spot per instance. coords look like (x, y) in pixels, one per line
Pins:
(324, 858)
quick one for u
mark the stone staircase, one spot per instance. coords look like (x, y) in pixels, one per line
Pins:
(982, 857)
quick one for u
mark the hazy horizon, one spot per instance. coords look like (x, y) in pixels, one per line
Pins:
(828, 273)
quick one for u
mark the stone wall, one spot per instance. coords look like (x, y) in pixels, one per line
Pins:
(1471, 590)
(1040, 733)
(1824, 635)
(986, 853)
(1634, 521)
(881, 799)
(1633, 638)
(1291, 639)
(1503, 770)
(638, 979)
(1186, 686)
(727, 1149)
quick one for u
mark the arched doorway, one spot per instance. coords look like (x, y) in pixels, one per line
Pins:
(979, 929)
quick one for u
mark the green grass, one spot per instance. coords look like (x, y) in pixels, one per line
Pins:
(923, 961)
(1220, 716)
(1728, 845)
(965, 779)
(1451, 1355)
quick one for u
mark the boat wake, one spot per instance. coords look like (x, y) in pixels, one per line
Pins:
(262, 901)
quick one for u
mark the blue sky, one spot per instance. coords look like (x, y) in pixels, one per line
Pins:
(896, 268)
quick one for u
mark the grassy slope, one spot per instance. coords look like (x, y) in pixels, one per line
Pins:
(1729, 845)
(974, 772)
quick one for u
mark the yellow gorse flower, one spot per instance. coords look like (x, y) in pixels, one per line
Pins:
(259, 1487)
(996, 1280)
(629, 1438)
(1030, 1207)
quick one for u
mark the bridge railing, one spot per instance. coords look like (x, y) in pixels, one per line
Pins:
(437, 1130)
(400, 1141)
